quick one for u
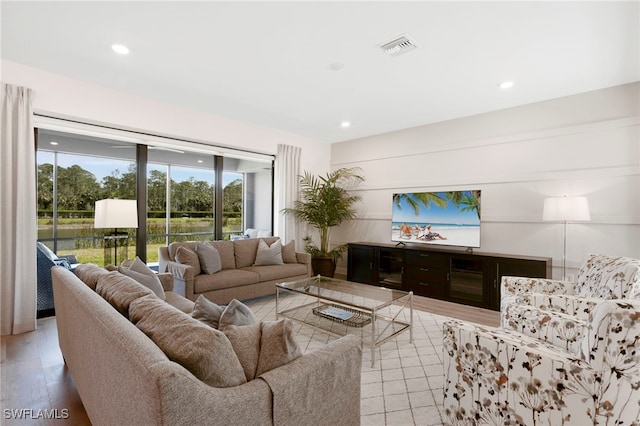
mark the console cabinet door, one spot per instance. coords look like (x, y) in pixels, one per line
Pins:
(360, 264)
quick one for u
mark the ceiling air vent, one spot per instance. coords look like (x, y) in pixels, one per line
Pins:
(399, 45)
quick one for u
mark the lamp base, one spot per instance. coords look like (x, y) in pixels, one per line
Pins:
(115, 248)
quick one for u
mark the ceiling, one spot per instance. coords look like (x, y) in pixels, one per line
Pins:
(270, 63)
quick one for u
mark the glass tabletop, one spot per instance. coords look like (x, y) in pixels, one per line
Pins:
(364, 296)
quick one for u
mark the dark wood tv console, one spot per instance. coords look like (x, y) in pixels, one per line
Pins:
(441, 273)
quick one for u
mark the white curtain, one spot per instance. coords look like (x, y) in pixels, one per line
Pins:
(287, 168)
(18, 219)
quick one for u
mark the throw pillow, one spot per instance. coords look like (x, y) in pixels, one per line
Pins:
(89, 273)
(140, 272)
(269, 255)
(207, 353)
(120, 290)
(188, 257)
(226, 250)
(245, 340)
(236, 313)
(207, 312)
(210, 261)
(289, 252)
(278, 345)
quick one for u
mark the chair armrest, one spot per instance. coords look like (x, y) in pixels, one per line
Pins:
(559, 329)
(579, 307)
(166, 279)
(71, 258)
(320, 387)
(512, 286)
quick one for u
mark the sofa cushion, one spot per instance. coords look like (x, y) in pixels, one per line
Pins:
(245, 250)
(89, 273)
(226, 251)
(236, 313)
(245, 340)
(277, 272)
(181, 303)
(210, 261)
(120, 290)
(140, 272)
(189, 257)
(289, 252)
(207, 312)
(224, 279)
(204, 351)
(269, 255)
(278, 345)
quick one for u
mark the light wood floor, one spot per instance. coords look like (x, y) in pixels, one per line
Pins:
(34, 376)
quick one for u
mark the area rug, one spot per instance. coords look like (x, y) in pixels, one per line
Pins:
(405, 386)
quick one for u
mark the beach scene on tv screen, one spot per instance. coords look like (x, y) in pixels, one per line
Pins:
(445, 218)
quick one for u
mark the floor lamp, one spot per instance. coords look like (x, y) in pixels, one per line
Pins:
(565, 209)
(115, 213)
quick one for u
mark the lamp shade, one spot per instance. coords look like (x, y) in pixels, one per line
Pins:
(114, 213)
(563, 209)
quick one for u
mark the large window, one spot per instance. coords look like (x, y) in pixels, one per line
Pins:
(183, 197)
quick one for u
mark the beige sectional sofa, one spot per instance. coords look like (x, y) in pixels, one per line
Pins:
(124, 378)
(239, 278)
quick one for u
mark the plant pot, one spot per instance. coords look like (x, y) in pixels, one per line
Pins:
(324, 266)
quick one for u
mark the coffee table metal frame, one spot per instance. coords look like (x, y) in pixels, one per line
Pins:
(363, 299)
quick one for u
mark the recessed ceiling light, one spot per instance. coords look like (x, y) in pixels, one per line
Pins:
(506, 85)
(345, 124)
(120, 48)
(53, 143)
(200, 161)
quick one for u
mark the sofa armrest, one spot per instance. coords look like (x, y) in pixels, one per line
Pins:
(187, 401)
(320, 387)
(166, 279)
(305, 258)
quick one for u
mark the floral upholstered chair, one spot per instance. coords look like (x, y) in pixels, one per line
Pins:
(565, 354)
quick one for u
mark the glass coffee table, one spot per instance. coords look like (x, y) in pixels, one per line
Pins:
(339, 307)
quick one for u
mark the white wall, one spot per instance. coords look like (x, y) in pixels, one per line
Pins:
(64, 97)
(587, 144)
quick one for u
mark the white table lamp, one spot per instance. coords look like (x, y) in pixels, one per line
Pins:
(115, 213)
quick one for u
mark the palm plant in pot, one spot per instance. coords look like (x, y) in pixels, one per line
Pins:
(325, 202)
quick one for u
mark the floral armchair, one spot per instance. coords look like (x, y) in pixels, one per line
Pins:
(503, 377)
(600, 277)
(566, 353)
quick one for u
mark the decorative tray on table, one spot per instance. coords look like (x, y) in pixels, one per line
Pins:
(343, 315)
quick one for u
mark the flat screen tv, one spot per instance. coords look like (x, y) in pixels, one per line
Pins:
(449, 218)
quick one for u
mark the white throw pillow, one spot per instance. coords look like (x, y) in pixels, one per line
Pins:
(209, 257)
(269, 255)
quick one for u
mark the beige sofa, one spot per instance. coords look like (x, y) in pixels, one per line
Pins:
(239, 278)
(124, 378)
